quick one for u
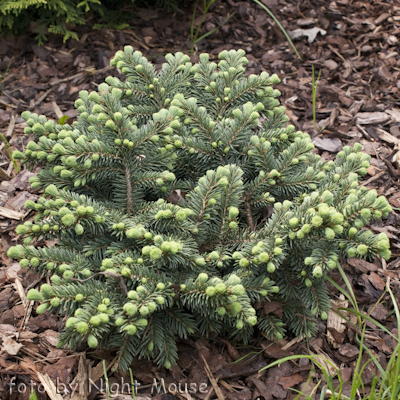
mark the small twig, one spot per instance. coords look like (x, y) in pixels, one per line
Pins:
(12, 372)
(373, 178)
(10, 130)
(81, 74)
(57, 110)
(11, 126)
(249, 216)
(27, 315)
(209, 394)
(17, 102)
(11, 167)
(239, 374)
(3, 103)
(288, 345)
(365, 133)
(337, 53)
(41, 98)
(392, 170)
(129, 200)
(109, 274)
(213, 381)
(74, 355)
(3, 175)
(136, 39)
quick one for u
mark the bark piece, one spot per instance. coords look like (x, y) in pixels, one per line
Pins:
(333, 145)
(366, 118)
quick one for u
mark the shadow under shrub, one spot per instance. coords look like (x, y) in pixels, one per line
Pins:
(257, 216)
(61, 16)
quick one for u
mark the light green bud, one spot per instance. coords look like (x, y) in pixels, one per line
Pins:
(244, 262)
(238, 290)
(338, 229)
(42, 308)
(79, 297)
(317, 221)
(271, 267)
(200, 261)
(263, 257)
(214, 255)
(144, 311)
(235, 309)
(130, 329)
(351, 252)
(210, 291)
(130, 309)
(155, 254)
(92, 341)
(221, 311)
(294, 222)
(329, 233)
(82, 327)
(317, 272)
(79, 229)
(362, 249)
(202, 278)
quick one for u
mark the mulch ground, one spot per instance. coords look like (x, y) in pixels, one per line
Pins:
(355, 47)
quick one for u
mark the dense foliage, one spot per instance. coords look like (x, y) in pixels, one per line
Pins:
(61, 16)
(182, 201)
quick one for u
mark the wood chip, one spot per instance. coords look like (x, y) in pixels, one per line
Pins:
(366, 118)
(49, 386)
(5, 212)
(333, 145)
(395, 114)
(386, 136)
(376, 281)
(81, 380)
(335, 321)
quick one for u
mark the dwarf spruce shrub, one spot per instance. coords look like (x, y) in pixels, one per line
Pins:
(260, 217)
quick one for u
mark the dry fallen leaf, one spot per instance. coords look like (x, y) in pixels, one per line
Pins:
(290, 381)
(273, 350)
(362, 265)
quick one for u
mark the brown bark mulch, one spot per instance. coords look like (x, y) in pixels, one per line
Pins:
(354, 45)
